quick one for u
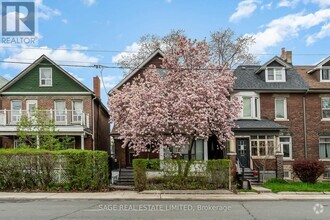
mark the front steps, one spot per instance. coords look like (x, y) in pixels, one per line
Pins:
(126, 177)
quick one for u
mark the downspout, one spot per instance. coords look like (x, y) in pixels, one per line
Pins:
(305, 128)
(93, 134)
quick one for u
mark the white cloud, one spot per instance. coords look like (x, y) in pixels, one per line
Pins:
(65, 21)
(244, 9)
(168, 1)
(8, 76)
(288, 3)
(287, 27)
(77, 77)
(110, 81)
(89, 2)
(267, 6)
(324, 32)
(46, 12)
(322, 3)
(128, 50)
(63, 55)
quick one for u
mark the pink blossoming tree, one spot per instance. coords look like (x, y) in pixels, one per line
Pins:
(190, 100)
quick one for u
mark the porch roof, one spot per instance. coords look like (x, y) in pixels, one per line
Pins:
(263, 124)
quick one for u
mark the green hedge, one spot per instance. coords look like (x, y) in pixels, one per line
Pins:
(211, 174)
(42, 169)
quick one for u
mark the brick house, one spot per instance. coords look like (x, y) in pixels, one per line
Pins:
(76, 110)
(277, 100)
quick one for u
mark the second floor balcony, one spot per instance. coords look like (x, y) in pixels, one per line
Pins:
(60, 118)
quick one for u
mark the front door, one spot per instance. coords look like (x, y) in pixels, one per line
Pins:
(243, 151)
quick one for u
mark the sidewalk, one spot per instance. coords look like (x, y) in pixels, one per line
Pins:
(166, 195)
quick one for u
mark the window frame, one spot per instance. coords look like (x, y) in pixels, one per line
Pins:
(51, 76)
(60, 115)
(321, 74)
(322, 109)
(327, 177)
(284, 106)
(266, 147)
(19, 111)
(254, 107)
(77, 115)
(282, 71)
(290, 146)
(321, 158)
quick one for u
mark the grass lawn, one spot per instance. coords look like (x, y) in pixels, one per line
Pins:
(298, 187)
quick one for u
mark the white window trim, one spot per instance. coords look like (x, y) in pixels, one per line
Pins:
(285, 110)
(290, 174)
(328, 178)
(324, 119)
(321, 70)
(266, 148)
(51, 76)
(282, 71)
(290, 149)
(323, 159)
(253, 100)
(12, 116)
(82, 103)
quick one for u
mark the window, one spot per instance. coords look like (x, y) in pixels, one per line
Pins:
(275, 74)
(16, 111)
(262, 146)
(287, 174)
(45, 75)
(197, 150)
(280, 108)
(60, 111)
(325, 75)
(77, 108)
(325, 108)
(286, 147)
(250, 107)
(326, 174)
(324, 148)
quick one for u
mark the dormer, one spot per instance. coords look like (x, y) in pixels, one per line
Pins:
(322, 69)
(274, 70)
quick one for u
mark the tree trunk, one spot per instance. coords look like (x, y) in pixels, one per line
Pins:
(187, 167)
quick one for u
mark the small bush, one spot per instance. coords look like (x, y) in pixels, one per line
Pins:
(308, 170)
(140, 176)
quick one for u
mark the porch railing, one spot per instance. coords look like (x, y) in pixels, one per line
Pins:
(63, 117)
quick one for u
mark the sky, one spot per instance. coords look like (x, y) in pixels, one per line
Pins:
(96, 32)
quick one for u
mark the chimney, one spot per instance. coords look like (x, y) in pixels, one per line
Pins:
(96, 85)
(286, 56)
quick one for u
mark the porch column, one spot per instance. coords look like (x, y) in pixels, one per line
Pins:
(232, 157)
(161, 153)
(82, 142)
(206, 153)
(232, 145)
(279, 165)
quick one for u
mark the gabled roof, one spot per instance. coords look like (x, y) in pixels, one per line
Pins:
(319, 65)
(248, 80)
(34, 64)
(3, 81)
(131, 74)
(277, 59)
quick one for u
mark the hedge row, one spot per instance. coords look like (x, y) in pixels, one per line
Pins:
(211, 174)
(41, 169)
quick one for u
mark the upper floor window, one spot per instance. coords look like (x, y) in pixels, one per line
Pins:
(250, 108)
(286, 147)
(325, 108)
(275, 74)
(280, 108)
(16, 110)
(45, 76)
(77, 108)
(325, 74)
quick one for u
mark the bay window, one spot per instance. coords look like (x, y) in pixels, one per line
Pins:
(262, 146)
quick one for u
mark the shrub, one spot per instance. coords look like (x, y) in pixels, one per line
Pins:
(42, 169)
(308, 170)
(140, 176)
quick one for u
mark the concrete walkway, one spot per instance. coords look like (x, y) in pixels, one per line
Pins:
(167, 195)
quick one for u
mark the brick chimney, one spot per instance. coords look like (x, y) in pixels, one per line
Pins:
(96, 85)
(286, 56)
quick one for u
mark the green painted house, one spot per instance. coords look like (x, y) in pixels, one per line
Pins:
(76, 110)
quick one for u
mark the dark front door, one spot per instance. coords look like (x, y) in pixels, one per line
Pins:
(243, 151)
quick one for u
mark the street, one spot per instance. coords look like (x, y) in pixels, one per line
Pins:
(124, 209)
